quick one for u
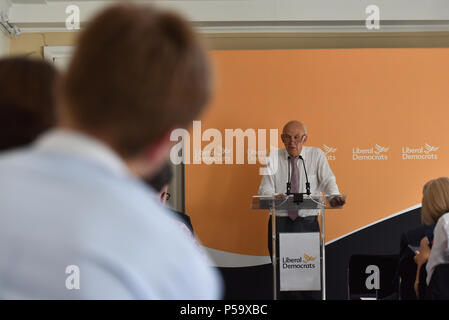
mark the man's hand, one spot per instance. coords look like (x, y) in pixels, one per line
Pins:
(280, 196)
(337, 201)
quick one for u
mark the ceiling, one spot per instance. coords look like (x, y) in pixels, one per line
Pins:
(234, 16)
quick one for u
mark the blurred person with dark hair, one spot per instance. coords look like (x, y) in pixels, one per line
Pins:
(27, 100)
(160, 183)
(76, 221)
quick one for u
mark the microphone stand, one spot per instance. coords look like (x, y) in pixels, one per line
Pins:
(307, 179)
(298, 197)
(288, 177)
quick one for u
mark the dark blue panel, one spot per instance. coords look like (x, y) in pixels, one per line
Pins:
(382, 238)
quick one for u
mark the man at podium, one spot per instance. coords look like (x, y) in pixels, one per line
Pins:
(296, 165)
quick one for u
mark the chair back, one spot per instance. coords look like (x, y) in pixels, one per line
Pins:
(371, 276)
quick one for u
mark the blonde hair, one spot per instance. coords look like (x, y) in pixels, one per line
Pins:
(435, 200)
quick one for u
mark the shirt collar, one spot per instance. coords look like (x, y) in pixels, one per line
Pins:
(81, 145)
(286, 155)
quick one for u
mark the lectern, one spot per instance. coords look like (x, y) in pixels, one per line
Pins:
(297, 262)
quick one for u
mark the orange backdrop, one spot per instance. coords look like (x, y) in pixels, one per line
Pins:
(395, 98)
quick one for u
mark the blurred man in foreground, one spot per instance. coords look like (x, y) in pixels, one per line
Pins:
(76, 222)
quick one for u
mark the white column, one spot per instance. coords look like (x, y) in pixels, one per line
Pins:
(4, 39)
(4, 45)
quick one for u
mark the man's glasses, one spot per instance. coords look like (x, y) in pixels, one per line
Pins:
(288, 138)
(165, 195)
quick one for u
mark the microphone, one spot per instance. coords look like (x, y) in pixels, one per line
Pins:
(307, 179)
(288, 177)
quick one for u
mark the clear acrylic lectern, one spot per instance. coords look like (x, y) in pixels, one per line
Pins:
(279, 207)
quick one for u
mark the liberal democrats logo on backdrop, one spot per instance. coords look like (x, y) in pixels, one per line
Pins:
(329, 153)
(377, 152)
(426, 152)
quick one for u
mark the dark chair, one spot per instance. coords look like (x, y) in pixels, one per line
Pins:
(372, 276)
(438, 288)
(406, 276)
(406, 270)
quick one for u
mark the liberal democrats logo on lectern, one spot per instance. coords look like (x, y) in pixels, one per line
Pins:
(306, 262)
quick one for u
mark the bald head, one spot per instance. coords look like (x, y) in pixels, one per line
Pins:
(294, 135)
(294, 124)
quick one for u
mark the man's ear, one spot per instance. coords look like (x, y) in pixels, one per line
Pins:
(156, 147)
(304, 138)
(156, 154)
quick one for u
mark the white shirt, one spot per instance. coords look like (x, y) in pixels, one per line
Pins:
(439, 254)
(69, 200)
(319, 173)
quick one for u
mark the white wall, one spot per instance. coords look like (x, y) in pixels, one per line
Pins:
(4, 39)
(4, 44)
(256, 15)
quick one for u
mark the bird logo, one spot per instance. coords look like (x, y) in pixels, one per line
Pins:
(380, 149)
(308, 258)
(328, 149)
(429, 148)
